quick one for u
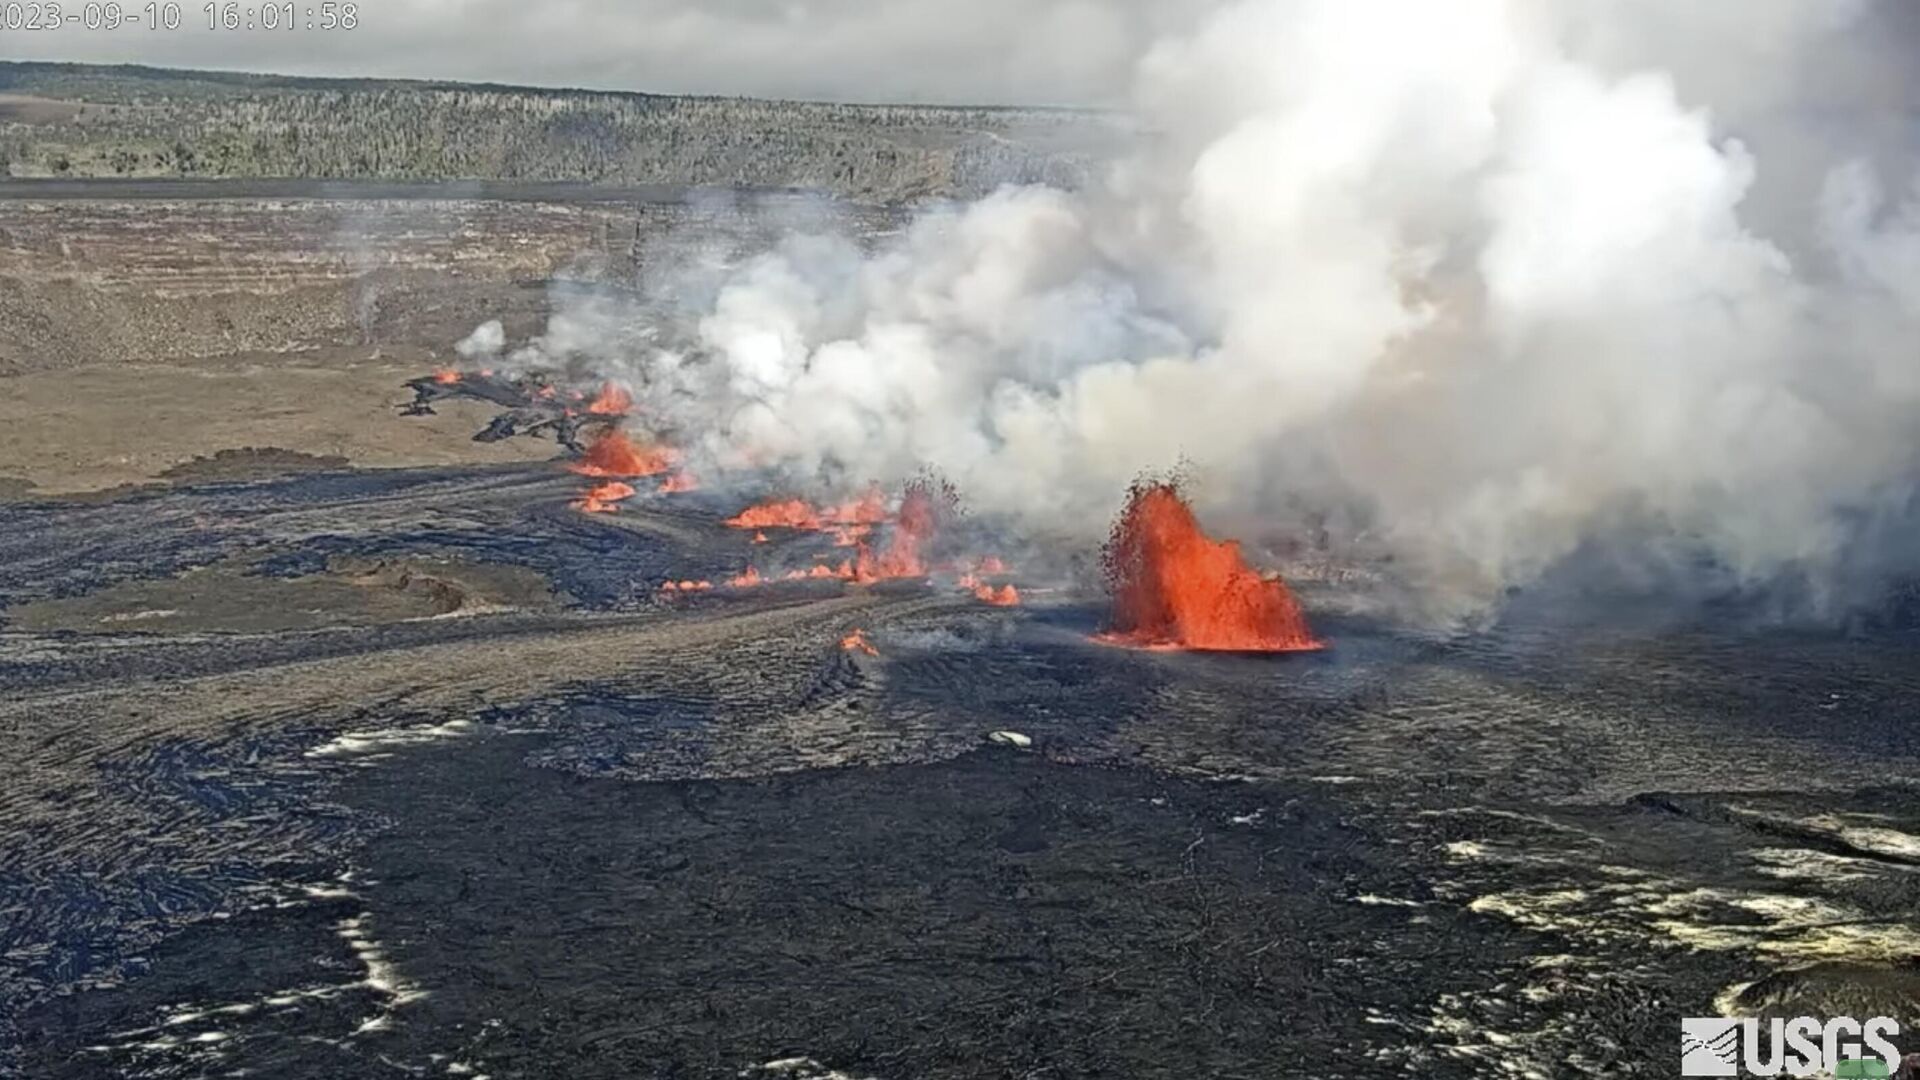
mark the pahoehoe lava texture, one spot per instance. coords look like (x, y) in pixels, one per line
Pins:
(584, 829)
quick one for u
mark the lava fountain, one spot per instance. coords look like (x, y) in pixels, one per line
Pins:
(1175, 587)
(612, 400)
(615, 455)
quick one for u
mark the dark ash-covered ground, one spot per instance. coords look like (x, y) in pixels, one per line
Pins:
(413, 773)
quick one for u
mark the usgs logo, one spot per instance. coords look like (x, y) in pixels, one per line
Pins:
(1842, 1047)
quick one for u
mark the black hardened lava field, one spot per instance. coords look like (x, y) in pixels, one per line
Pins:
(367, 773)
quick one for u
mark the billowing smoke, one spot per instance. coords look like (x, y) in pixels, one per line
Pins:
(1483, 282)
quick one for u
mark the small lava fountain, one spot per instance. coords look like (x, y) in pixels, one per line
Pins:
(615, 455)
(1175, 587)
(613, 400)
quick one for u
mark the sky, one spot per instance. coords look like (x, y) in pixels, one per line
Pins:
(1042, 52)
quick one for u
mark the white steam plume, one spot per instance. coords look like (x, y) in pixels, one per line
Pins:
(1496, 277)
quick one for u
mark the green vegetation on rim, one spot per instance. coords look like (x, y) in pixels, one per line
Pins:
(82, 120)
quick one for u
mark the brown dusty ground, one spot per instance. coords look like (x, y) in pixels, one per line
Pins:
(137, 335)
(96, 428)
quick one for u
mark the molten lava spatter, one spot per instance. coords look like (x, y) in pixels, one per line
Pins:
(856, 641)
(1175, 587)
(1004, 596)
(843, 572)
(446, 376)
(868, 509)
(600, 498)
(615, 455)
(849, 520)
(921, 509)
(778, 514)
(924, 505)
(613, 400)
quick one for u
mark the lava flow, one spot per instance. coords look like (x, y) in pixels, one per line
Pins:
(778, 514)
(615, 455)
(600, 498)
(849, 520)
(924, 505)
(1174, 587)
(856, 641)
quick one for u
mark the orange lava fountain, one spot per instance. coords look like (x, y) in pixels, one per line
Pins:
(913, 527)
(868, 509)
(615, 455)
(446, 376)
(611, 401)
(600, 498)
(1175, 587)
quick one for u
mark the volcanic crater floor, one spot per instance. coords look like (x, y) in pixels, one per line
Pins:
(416, 772)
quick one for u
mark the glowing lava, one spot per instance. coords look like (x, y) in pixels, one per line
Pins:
(1004, 596)
(446, 376)
(868, 509)
(612, 401)
(1175, 587)
(922, 508)
(679, 482)
(849, 520)
(600, 498)
(913, 527)
(856, 641)
(843, 572)
(615, 455)
(778, 514)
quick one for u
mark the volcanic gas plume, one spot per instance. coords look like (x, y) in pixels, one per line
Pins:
(1175, 587)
